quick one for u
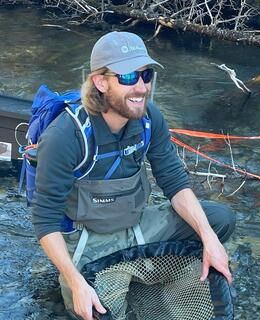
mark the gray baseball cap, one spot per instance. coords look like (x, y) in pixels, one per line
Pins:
(121, 52)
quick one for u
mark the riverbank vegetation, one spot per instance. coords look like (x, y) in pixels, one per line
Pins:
(233, 20)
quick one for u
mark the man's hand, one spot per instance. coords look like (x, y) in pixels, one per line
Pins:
(84, 299)
(214, 255)
(84, 296)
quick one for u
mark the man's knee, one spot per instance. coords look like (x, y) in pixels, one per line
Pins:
(221, 218)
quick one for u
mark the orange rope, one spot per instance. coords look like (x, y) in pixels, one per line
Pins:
(201, 134)
(31, 146)
(244, 172)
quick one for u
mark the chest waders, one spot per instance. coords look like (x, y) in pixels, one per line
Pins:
(108, 205)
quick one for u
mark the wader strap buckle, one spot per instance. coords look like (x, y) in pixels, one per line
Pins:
(80, 247)
(138, 235)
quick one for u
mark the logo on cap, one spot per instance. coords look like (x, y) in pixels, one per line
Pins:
(126, 49)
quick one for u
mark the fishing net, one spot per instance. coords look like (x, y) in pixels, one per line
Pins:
(159, 281)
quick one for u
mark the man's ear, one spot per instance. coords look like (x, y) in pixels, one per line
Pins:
(100, 82)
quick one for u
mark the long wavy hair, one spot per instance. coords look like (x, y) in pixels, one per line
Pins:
(92, 99)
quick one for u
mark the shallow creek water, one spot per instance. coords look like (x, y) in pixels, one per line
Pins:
(191, 92)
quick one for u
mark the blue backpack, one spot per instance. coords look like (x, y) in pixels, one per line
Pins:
(47, 105)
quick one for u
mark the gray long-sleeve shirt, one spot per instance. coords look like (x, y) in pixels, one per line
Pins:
(61, 149)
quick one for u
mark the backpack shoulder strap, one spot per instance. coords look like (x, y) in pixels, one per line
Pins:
(86, 130)
(147, 125)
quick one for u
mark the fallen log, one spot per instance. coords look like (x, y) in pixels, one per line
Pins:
(210, 31)
(213, 32)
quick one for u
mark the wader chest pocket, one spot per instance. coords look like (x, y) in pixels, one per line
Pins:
(111, 205)
(133, 199)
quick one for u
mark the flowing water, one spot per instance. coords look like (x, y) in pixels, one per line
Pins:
(191, 92)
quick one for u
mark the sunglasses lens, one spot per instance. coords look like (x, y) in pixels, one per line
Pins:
(128, 79)
(147, 75)
(132, 78)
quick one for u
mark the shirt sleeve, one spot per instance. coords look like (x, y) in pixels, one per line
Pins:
(57, 155)
(166, 165)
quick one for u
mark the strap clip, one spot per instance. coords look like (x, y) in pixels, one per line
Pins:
(131, 149)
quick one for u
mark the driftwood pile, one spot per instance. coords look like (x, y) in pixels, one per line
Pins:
(223, 19)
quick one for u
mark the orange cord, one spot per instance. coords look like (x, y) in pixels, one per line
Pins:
(244, 172)
(202, 134)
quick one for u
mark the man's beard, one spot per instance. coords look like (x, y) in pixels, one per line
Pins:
(119, 105)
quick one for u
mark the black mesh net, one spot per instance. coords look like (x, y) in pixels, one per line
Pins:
(159, 281)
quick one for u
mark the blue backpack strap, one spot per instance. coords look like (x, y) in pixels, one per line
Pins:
(147, 125)
(113, 168)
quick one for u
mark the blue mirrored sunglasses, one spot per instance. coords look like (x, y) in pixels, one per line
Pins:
(132, 78)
